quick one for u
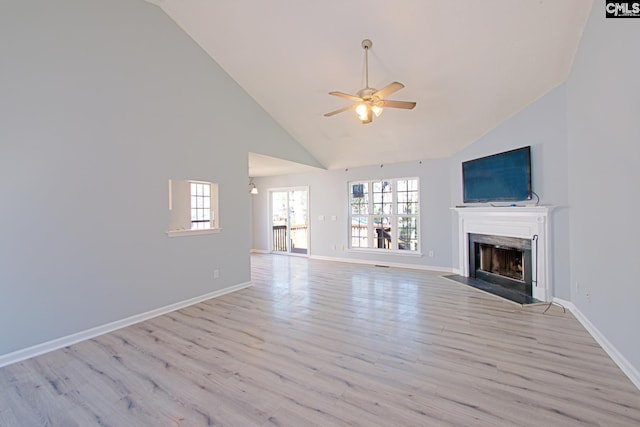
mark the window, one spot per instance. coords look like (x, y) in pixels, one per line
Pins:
(193, 207)
(200, 205)
(384, 214)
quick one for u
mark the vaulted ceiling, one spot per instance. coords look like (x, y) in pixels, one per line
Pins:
(470, 65)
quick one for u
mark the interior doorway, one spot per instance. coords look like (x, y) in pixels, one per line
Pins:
(289, 220)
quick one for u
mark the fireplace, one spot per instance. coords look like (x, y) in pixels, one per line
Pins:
(525, 229)
(501, 260)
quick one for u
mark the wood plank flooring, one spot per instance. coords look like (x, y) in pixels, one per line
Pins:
(317, 343)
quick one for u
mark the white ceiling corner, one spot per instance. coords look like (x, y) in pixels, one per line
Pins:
(261, 165)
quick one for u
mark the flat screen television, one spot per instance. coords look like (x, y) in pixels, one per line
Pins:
(499, 177)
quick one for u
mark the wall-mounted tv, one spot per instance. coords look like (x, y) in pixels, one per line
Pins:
(499, 177)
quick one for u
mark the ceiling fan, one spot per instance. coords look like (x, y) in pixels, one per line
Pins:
(369, 101)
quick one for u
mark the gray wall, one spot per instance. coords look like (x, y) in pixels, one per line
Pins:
(101, 103)
(604, 176)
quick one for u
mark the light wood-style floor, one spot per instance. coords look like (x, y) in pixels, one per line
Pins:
(317, 343)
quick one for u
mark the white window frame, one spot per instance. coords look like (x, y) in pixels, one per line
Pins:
(202, 217)
(183, 204)
(389, 211)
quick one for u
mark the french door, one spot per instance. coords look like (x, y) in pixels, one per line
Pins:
(289, 220)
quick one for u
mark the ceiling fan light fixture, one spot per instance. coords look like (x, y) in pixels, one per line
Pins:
(369, 101)
(362, 111)
(366, 110)
(369, 116)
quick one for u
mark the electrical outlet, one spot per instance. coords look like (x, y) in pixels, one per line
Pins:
(587, 295)
(216, 273)
(431, 254)
(333, 247)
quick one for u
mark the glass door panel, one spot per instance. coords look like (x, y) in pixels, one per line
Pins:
(298, 221)
(289, 221)
(279, 219)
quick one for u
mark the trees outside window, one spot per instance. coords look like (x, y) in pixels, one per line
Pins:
(384, 214)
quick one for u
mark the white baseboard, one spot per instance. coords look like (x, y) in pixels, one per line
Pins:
(259, 251)
(38, 349)
(386, 264)
(371, 262)
(629, 370)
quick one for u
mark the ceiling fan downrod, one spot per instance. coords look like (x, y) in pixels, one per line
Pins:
(366, 45)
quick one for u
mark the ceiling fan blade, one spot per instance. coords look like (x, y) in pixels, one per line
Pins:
(347, 108)
(398, 104)
(346, 95)
(388, 90)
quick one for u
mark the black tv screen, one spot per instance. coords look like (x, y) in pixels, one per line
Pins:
(499, 177)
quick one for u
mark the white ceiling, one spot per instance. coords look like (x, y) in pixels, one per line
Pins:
(468, 64)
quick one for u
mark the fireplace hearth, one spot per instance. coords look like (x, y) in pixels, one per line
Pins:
(506, 248)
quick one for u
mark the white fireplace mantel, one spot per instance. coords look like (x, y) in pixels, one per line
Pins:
(525, 222)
